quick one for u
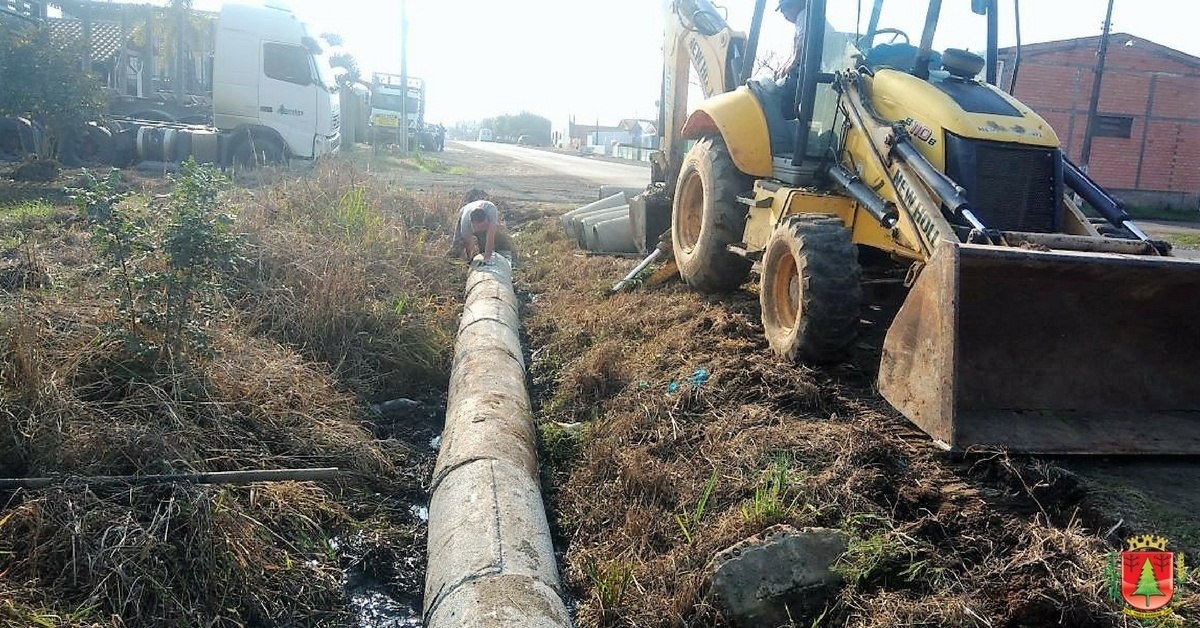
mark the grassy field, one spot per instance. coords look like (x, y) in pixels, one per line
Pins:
(190, 324)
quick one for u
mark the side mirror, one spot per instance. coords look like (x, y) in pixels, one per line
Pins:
(980, 6)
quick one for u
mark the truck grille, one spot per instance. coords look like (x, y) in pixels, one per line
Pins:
(1009, 187)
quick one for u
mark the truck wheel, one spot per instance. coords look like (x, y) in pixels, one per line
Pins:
(810, 292)
(16, 139)
(255, 151)
(87, 146)
(706, 217)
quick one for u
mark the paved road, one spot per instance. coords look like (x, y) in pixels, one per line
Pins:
(1165, 230)
(595, 170)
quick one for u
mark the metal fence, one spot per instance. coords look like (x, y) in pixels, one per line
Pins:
(23, 9)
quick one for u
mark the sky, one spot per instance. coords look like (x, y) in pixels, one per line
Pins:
(601, 60)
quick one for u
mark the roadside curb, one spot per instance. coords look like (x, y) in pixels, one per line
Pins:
(491, 559)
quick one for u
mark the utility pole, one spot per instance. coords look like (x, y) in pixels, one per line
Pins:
(1085, 154)
(404, 78)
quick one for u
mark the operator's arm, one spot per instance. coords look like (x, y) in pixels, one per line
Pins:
(491, 241)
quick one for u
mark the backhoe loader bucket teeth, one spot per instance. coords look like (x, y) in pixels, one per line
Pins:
(1049, 352)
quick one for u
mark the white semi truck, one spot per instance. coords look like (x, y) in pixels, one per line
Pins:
(251, 84)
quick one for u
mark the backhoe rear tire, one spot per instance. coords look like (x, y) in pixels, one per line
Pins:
(810, 290)
(706, 217)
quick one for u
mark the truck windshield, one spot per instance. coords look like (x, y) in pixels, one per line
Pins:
(392, 102)
(324, 73)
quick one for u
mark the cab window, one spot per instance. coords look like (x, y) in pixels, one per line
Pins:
(287, 63)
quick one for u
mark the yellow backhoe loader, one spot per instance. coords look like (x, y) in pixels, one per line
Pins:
(1026, 325)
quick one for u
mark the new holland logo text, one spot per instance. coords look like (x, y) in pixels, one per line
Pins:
(1145, 576)
(701, 64)
(919, 212)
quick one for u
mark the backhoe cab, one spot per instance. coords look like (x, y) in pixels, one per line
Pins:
(1023, 328)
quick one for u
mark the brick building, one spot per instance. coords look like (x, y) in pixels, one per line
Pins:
(1146, 147)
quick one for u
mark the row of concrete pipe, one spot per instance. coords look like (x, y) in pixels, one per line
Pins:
(491, 559)
(602, 226)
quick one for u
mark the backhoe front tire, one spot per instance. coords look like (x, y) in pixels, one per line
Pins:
(810, 292)
(706, 217)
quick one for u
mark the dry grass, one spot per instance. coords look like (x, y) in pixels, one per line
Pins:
(985, 541)
(354, 274)
(348, 299)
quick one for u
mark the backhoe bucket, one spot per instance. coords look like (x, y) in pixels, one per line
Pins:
(1049, 352)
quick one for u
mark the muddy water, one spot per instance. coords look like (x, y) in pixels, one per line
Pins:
(385, 581)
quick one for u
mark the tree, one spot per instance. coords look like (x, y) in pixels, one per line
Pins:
(524, 123)
(43, 78)
(347, 61)
(1147, 583)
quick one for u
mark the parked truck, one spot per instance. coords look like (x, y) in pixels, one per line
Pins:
(388, 108)
(247, 85)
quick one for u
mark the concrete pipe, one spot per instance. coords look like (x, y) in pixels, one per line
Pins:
(584, 226)
(491, 560)
(629, 192)
(612, 236)
(616, 200)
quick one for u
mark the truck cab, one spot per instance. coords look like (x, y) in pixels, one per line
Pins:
(388, 105)
(272, 82)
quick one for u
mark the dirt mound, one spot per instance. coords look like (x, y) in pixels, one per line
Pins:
(671, 432)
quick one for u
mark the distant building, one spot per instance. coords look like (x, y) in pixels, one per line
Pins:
(1146, 145)
(597, 138)
(26, 10)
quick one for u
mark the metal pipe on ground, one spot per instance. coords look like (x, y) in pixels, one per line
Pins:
(491, 560)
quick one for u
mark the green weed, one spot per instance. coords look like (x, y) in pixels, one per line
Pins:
(355, 217)
(771, 503)
(1184, 240)
(433, 165)
(23, 212)
(885, 553)
(165, 279)
(609, 582)
(18, 220)
(560, 445)
(689, 520)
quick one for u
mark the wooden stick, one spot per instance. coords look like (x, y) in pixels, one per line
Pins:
(215, 477)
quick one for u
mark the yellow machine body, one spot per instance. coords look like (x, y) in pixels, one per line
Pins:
(1042, 337)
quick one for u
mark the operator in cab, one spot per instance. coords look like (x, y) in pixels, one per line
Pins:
(796, 12)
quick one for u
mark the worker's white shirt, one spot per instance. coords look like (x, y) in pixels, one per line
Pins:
(464, 216)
